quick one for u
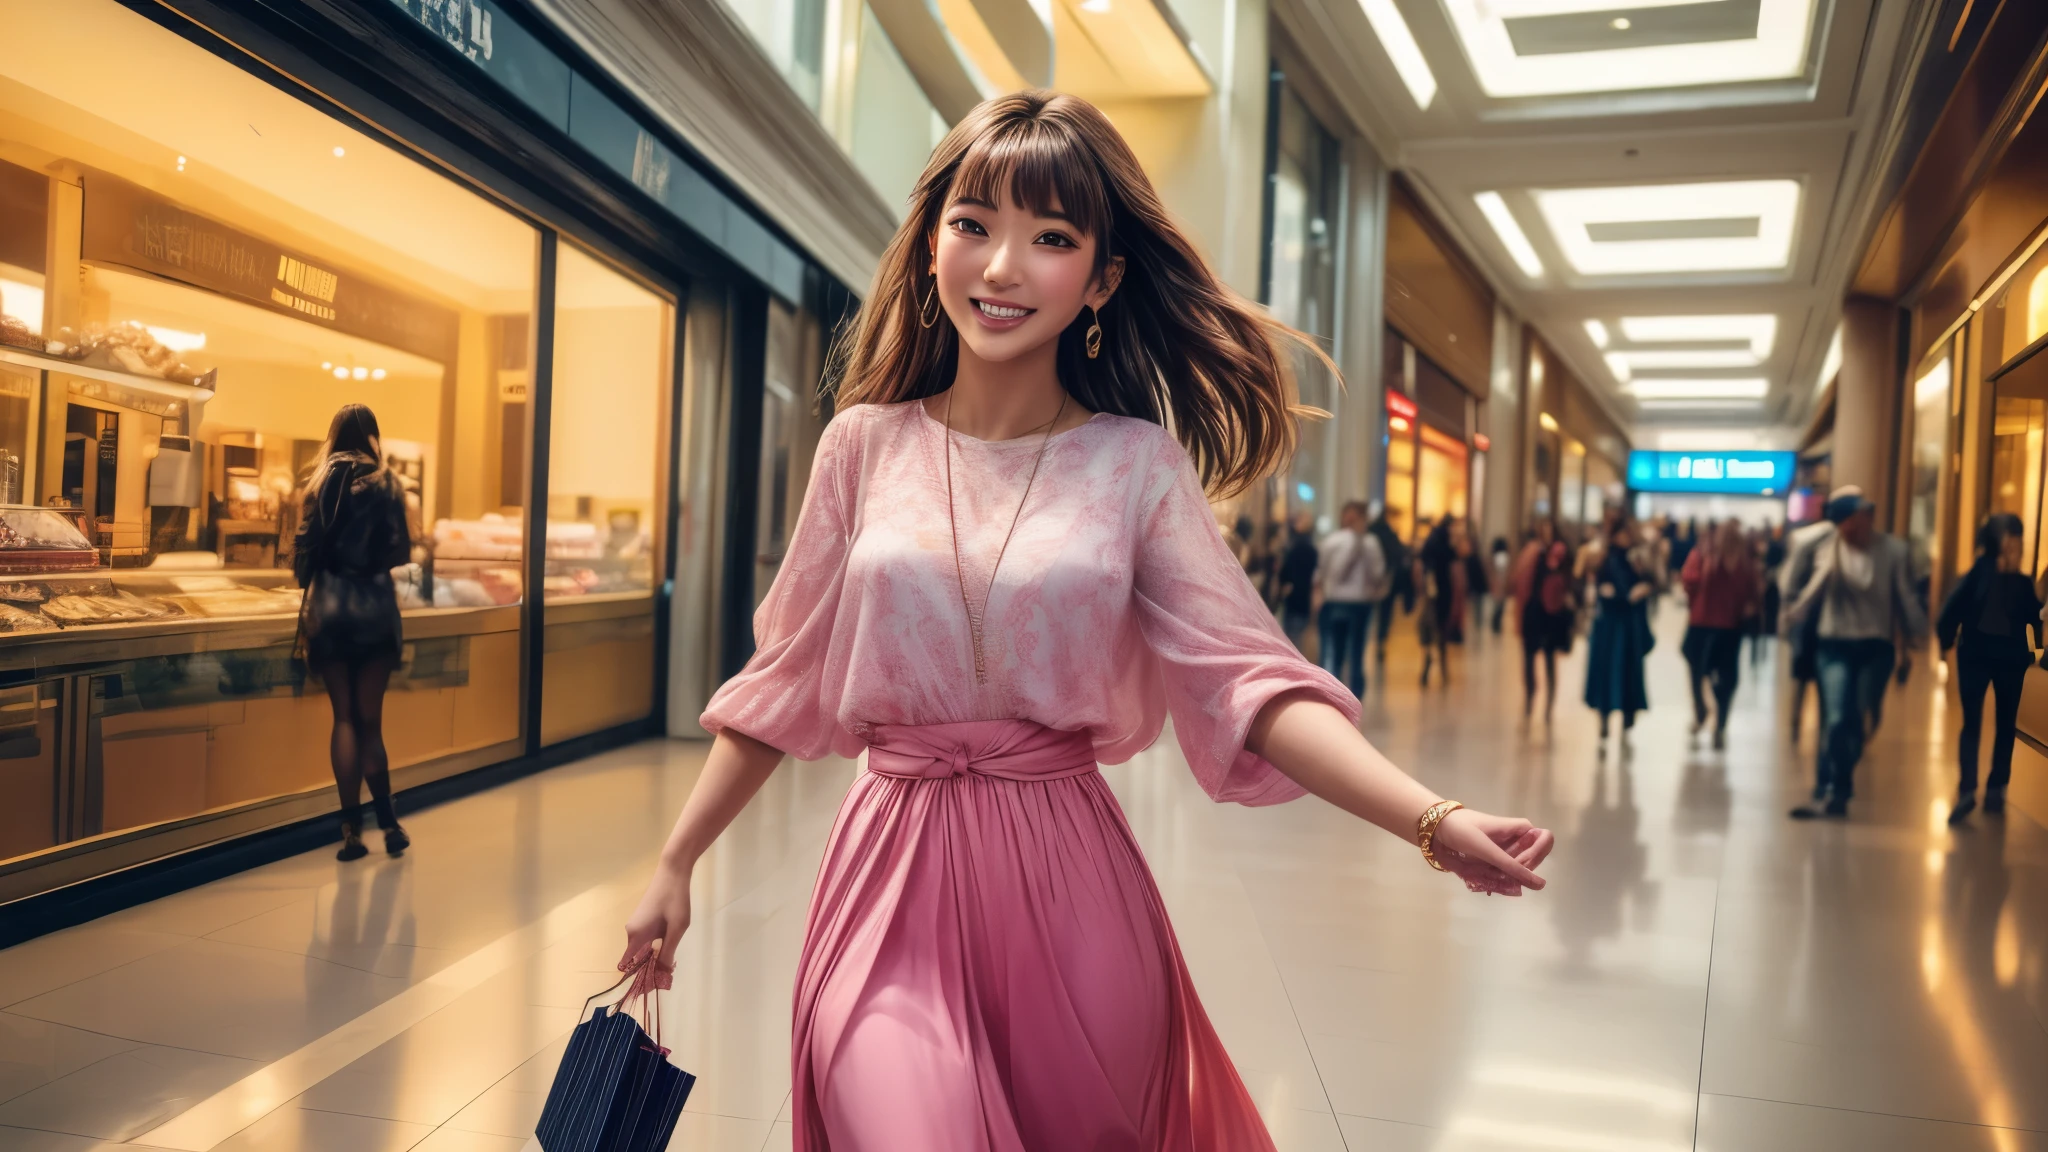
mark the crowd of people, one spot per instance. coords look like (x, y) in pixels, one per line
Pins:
(1844, 597)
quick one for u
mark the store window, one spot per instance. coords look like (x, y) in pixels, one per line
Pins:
(792, 420)
(196, 271)
(1930, 412)
(2017, 439)
(613, 367)
(1397, 376)
(1306, 188)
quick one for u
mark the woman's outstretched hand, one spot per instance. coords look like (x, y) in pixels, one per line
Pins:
(655, 929)
(1492, 854)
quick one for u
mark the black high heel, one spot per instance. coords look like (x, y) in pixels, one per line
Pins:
(351, 843)
(396, 841)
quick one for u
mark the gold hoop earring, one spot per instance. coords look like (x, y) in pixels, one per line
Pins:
(1093, 337)
(927, 312)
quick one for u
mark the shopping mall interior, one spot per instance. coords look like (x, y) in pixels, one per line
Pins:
(1704, 291)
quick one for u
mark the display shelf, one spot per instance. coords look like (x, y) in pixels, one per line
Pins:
(168, 389)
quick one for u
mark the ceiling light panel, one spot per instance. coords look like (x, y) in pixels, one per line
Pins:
(1760, 331)
(1409, 63)
(1701, 405)
(1510, 232)
(1652, 359)
(1522, 48)
(1597, 332)
(1673, 228)
(1750, 389)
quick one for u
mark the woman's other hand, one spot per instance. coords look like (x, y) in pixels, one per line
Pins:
(656, 928)
(1492, 854)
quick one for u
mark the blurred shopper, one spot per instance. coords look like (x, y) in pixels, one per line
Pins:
(987, 961)
(1400, 576)
(1548, 611)
(1861, 593)
(1802, 635)
(352, 533)
(1441, 575)
(1722, 588)
(1297, 579)
(1621, 637)
(1986, 623)
(1500, 561)
(1353, 578)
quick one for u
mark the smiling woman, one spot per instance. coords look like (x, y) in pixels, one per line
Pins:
(1006, 572)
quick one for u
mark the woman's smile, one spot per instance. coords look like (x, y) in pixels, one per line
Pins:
(1000, 315)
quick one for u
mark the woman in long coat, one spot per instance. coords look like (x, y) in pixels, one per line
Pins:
(1621, 633)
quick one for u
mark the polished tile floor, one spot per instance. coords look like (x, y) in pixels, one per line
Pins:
(1703, 974)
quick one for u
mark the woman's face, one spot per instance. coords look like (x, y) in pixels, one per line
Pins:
(2010, 552)
(1012, 280)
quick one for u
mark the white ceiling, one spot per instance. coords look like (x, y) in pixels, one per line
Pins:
(1754, 246)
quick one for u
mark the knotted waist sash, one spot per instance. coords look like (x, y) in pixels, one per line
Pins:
(1019, 750)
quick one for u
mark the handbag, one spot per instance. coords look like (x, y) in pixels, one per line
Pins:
(615, 1090)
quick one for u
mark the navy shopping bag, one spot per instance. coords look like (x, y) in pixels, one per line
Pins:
(615, 1090)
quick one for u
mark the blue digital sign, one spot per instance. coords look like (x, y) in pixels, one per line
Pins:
(1740, 473)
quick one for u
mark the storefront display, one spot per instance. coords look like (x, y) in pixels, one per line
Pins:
(215, 268)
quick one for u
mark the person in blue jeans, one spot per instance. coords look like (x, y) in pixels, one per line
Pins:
(1862, 589)
(1352, 577)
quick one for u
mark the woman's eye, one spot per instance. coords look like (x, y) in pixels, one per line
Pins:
(970, 226)
(1058, 240)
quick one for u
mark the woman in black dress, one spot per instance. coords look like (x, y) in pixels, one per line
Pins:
(1549, 609)
(1621, 633)
(352, 533)
(1988, 624)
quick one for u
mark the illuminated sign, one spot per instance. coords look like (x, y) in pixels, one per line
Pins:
(1741, 473)
(1402, 406)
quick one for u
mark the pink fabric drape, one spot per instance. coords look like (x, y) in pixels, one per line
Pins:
(989, 968)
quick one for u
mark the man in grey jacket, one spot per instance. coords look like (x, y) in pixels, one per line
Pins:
(1861, 587)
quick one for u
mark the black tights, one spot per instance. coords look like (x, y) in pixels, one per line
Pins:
(356, 690)
(1530, 654)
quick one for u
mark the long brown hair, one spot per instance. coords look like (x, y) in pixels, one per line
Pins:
(1179, 348)
(352, 437)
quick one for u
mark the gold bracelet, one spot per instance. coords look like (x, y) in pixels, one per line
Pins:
(1425, 829)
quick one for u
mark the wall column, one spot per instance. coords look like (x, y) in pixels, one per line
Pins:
(1867, 402)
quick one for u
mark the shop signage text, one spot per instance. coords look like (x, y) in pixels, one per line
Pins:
(1740, 473)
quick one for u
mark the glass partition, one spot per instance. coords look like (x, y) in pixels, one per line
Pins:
(613, 366)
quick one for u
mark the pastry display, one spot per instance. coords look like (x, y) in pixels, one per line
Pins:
(125, 347)
(14, 619)
(14, 330)
(493, 537)
(42, 540)
(19, 593)
(109, 607)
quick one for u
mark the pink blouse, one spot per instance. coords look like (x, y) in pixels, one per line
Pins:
(1116, 604)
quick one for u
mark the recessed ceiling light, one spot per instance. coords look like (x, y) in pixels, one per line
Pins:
(360, 373)
(1510, 232)
(339, 151)
(1529, 47)
(327, 365)
(1094, 5)
(1760, 330)
(376, 373)
(1716, 227)
(1639, 359)
(1619, 365)
(1409, 63)
(1598, 332)
(1701, 405)
(1750, 389)
(341, 373)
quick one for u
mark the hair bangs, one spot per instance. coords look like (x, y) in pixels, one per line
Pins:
(1043, 166)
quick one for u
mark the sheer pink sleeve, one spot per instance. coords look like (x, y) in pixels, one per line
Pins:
(1221, 654)
(779, 698)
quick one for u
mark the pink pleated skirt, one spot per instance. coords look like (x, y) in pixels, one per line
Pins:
(988, 966)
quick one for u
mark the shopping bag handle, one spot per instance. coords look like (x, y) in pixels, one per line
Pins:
(651, 1002)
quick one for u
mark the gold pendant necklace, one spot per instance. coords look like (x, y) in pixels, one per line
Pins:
(974, 615)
